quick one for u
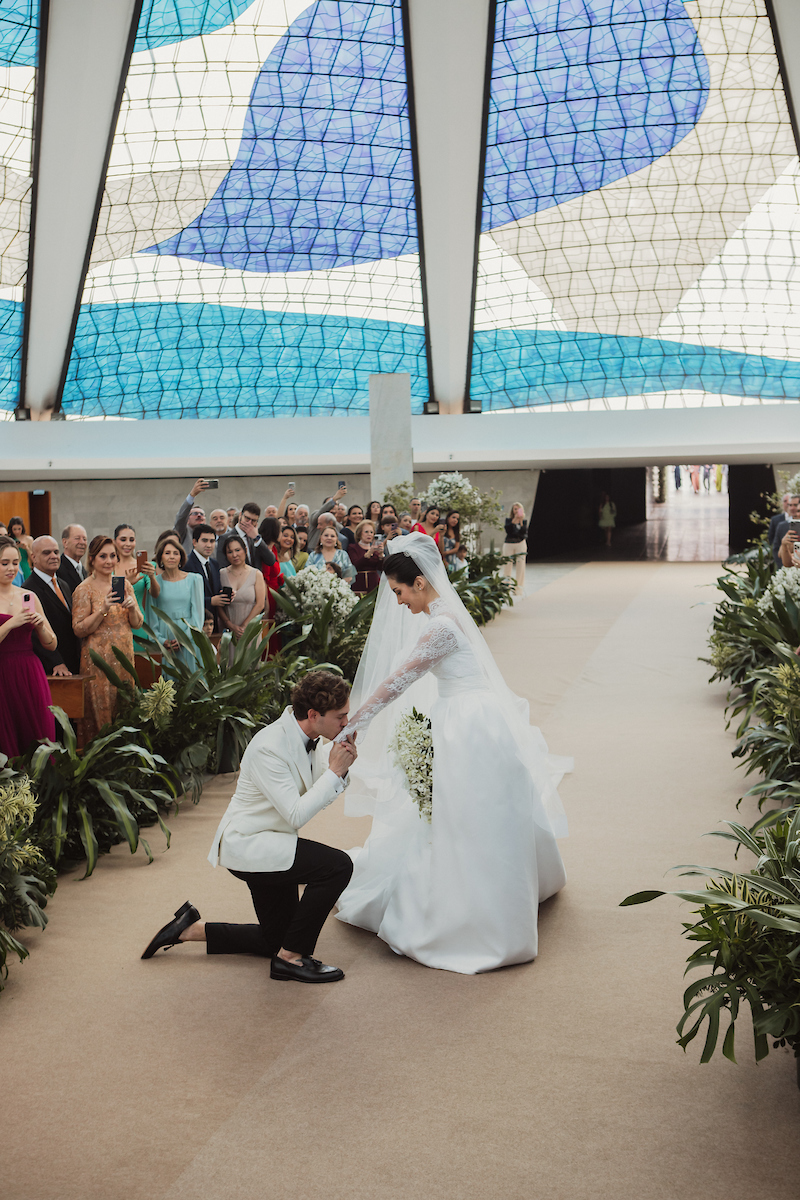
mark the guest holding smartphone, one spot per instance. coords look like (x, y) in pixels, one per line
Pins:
(432, 524)
(24, 691)
(366, 556)
(135, 567)
(104, 615)
(249, 588)
(181, 598)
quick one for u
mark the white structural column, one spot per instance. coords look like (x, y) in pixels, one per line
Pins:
(85, 52)
(391, 459)
(448, 41)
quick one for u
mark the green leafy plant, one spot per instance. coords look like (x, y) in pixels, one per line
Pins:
(400, 495)
(749, 942)
(452, 490)
(26, 878)
(483, 589)
(90, 800)
(331, 634)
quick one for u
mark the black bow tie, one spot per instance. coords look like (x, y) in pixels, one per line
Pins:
(311, 744)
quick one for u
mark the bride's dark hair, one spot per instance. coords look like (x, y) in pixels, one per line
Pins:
(402, 568)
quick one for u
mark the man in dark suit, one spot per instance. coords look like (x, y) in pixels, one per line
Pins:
(258, 552)
(56, 599)
(775, 522)
(201, 561)
(71, 570)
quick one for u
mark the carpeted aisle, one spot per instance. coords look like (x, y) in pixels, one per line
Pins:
(191, 1077)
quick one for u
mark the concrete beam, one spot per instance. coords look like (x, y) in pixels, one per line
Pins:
(489, 441)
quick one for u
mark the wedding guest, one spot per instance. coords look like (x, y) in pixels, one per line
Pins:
(302, 516)
(291, 511)
(607, 516)
(181, 599)
(249, 588)
(103, 622)
(415, 508)
(389, 530)
(24, 691)
(208, 622)
(373, 513)
(283, 505)
(367, 557)
(406, 522)
(353, 518)
(314, 524)
(145, 582)
(333, 568)
(786, 535)
(56, 601)
(73, 546)
(201, 562)
(389, 508)
(301, 556)
(431, 523)
(461, 560)
(515, 546)
(287, 548)
(451, 538)
(271, 511)
(218, 520)
(330, 551)
(233, 517)
(269, 531)
(258, 553)
(190, 514)
(23, 541)
(780, 518)
(339, 512)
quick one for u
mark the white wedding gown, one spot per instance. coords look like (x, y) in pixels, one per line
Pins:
(462, 892)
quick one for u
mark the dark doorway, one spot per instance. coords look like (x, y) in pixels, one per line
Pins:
(564, 523)
(749, 485)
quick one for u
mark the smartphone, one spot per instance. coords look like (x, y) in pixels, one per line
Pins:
(342, 483)
(117, 588)
(28, 602)
(211, 484)
(227, 591)
(141, 559)
(393, 525)
(291, 485)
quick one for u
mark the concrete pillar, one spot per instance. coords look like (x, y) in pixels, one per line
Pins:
(391, 455)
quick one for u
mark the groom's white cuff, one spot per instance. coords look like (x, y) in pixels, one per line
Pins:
(339, 783)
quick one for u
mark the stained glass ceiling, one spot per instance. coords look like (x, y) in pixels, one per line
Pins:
(261, 234)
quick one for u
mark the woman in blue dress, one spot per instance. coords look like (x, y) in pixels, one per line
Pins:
(181, 598)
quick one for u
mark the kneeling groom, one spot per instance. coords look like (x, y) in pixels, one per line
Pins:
(284, 781)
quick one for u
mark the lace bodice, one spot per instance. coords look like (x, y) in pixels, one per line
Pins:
(443, 649)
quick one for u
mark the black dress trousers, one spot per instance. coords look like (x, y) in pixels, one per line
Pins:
(285, 919)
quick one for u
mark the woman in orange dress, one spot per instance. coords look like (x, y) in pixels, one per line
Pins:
(102, 622)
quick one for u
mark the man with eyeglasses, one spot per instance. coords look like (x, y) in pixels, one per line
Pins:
(247, 527)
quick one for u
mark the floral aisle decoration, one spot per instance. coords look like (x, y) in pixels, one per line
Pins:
(412, 743)
(326, 617)
(785, 581)
(452, 490)
(26, 878)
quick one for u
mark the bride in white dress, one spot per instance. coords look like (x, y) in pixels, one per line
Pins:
(462, 892)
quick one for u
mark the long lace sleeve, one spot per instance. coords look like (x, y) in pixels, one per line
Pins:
(438, 640)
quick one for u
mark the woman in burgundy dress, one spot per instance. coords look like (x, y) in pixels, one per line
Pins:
(24, 691)
(367, 558)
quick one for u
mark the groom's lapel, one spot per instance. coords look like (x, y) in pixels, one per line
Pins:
(296, 747)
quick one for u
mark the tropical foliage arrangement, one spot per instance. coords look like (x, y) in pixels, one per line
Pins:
(747, 923)
(453, 491)
(61, 805)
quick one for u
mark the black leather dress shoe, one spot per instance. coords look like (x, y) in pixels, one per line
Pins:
(170, 935)
(308, 970)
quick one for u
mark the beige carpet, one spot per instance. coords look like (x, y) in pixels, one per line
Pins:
(190, 1077)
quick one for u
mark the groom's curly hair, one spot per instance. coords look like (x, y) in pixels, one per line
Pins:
(320, 690)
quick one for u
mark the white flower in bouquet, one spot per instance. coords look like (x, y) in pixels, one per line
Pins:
(313, 588)
(785, 582)
(412, 744)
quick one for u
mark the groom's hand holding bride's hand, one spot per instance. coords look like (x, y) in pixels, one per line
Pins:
(343, 755)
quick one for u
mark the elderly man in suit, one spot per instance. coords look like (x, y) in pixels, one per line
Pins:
(190, 514)
(56, 600)
(284, 781)
(71, 570)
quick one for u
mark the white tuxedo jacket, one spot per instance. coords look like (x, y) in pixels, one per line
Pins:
(281, 787)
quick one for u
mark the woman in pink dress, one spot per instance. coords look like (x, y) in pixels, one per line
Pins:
(25, 716)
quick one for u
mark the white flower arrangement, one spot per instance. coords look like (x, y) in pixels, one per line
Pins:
(793, 485)
(785, 582)
(452, 490)
(412, 743)
(312, 588)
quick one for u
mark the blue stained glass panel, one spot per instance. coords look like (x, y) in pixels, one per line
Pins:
(582, 93)
(210, 360)
(323, 175)
(513, 368)
(161, 23)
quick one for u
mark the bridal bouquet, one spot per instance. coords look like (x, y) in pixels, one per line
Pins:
(412, 744)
